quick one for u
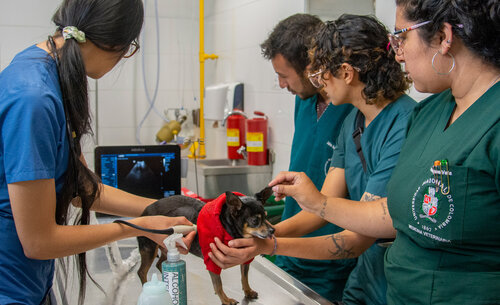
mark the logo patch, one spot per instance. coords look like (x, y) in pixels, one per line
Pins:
(432, 211)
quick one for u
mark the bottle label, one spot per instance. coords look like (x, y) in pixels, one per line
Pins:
(175, 278)
(172, 280)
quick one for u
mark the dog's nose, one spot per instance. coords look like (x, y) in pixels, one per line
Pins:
(271, 231)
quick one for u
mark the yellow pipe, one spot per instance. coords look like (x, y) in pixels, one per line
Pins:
(202, 56)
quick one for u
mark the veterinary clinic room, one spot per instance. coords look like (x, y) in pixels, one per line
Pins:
(260, 152)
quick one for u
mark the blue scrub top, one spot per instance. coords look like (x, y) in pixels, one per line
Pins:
(312, 147)
(33, 146)
(381, 142)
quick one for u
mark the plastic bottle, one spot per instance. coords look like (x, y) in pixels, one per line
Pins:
(154, 292)
(174, 270)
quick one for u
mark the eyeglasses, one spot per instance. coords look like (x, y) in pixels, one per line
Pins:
(132, 49)
(315, 78)
(396, 41)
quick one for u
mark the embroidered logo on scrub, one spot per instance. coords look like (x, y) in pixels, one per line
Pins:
(433, 208)
(430, 204)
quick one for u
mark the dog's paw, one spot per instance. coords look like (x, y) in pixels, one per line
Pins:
(230, 302)
(250, 294)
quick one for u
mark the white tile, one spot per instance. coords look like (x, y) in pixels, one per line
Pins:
(172, 8)
(176, 35)
(253, 22)
(116, 109)
(250, 67)
(16, 38)
(27, 12)
(332, 9)
(117, 136)
(175, 71)
(386, 12)
(121, 77)
(282, 158)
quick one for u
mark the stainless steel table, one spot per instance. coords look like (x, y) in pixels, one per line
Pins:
(273, 284)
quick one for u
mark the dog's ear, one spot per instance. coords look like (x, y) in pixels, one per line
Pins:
(233, 201)
(263, 195)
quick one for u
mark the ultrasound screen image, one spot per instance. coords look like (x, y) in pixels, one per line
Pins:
(152, 175)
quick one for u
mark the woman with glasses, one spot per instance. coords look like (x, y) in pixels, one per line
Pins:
(353, 65)
(44, 113)
(443, 197)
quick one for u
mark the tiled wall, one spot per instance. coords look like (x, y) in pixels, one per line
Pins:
(234, 30)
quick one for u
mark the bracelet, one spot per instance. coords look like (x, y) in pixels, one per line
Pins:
(275, 246)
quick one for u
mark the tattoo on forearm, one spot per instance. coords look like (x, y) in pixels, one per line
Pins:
(322, 213)
(383, 204)
(339, 248)
(369, 197)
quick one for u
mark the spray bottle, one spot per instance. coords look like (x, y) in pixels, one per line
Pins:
(174, 270)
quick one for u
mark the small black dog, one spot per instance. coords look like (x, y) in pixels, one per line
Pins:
(239, 216)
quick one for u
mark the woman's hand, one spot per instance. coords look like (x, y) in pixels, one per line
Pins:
(301, 188)
(238, 251)
(165, 222)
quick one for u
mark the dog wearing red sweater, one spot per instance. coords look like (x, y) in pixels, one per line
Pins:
(229, 216)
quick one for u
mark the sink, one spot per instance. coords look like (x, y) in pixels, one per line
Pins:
(211, 177)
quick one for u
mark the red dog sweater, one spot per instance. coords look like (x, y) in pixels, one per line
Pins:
(209, 227)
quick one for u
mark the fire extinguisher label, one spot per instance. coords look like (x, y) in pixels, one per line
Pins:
(255, 142)
(233, 137)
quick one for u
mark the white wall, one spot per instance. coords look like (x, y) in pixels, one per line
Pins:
(234, 30)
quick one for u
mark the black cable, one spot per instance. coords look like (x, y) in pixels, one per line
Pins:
(168, 231)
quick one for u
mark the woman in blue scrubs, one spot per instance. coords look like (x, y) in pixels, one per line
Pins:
(444, 194)
(44, 113)
(353, 65)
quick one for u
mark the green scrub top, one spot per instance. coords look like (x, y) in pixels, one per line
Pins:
(381, 142)
(312, 147)
(447, 249)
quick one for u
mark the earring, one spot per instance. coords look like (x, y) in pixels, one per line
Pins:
(452, 65)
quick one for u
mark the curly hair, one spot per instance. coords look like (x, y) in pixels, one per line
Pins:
(291, 38)
(361, 41)
(476, 23)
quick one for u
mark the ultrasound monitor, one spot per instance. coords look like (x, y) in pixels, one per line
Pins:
(148, 171)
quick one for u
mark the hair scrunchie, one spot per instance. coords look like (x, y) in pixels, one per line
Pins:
(69, 32)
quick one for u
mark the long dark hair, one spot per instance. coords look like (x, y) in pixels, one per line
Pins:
(291, 37)
(362, 42)
(476, 23)
(112, 25)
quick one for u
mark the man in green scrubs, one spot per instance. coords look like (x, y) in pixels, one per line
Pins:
(317, 125)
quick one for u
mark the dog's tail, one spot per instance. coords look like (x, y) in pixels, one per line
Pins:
(121, 273)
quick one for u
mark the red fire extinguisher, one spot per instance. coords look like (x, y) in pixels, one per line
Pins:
(257, 139)
(235, 133)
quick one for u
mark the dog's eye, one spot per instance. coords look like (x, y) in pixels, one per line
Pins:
(254, 221)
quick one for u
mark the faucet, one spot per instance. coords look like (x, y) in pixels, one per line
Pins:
(235, 111)
(242, 151)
